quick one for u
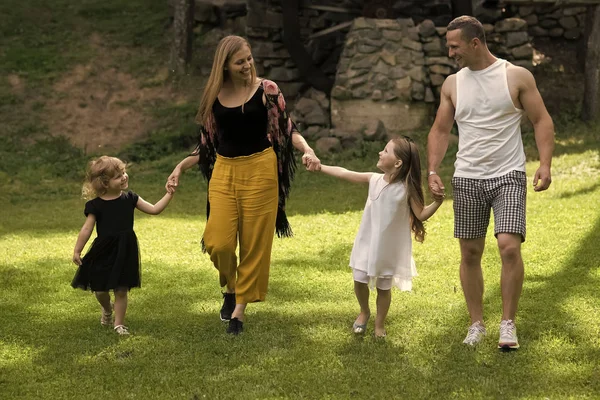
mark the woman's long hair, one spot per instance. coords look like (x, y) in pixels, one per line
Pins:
(410, 172)
(226, 48)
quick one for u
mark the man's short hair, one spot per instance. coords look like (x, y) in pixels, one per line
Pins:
(469, 26)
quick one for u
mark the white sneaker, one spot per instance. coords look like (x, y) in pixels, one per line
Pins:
(476, 333)
(508, 335)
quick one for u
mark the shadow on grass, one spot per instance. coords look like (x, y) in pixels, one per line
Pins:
(570, 369)
(297, 344)
(581, 191)
(177, 336)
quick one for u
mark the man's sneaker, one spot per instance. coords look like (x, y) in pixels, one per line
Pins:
(228, 306)
(235, 326)
(475, 335)
(508, 336)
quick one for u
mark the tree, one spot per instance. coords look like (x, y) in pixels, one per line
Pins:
(183, 25)
(591, 101)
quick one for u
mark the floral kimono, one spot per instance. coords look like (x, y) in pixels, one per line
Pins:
(279, 131)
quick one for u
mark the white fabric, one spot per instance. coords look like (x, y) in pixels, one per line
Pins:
(383, 245)
(489, 124)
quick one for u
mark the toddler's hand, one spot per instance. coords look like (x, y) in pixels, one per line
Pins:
(77, 258)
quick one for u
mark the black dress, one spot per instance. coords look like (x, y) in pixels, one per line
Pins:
(113, 260)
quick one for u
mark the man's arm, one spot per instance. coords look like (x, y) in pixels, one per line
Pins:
(534, 106)
(437, 140)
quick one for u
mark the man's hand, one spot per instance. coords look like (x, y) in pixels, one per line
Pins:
(542, 179)
(436, 187)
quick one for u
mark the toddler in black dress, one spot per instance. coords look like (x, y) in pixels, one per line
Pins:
(112, 262)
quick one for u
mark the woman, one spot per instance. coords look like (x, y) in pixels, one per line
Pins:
(245, 151)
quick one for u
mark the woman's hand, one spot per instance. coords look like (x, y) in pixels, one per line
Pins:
(173, 180)
(311, 161)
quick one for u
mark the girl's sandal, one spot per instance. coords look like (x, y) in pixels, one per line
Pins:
(360, 329)
(106, 319)
(122, 330)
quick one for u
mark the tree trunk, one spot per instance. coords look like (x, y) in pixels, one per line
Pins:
(183, 25)
(461, 7)
(311, 74)
(591, 102)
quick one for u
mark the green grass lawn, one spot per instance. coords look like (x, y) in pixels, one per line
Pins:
(298, 344)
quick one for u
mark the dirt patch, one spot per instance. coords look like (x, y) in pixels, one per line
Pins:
(16, 84)
(99, 107)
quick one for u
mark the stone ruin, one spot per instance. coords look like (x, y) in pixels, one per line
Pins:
(387, 72)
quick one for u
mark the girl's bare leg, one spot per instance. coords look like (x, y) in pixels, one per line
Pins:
(120, 306)
(104, 300)
(384, 299)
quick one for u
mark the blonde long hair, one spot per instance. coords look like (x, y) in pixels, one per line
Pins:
(226, 48)
(410, 172)
(99, 172)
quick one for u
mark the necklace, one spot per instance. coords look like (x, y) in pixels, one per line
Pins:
(380, 190)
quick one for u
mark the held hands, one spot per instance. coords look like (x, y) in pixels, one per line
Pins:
(542, 179)
(311, 162)
(436, 187)
(173, 181)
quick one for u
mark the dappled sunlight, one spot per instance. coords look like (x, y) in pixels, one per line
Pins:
(302, 333)
(14, 354)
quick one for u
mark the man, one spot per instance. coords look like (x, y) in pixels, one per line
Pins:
(487, 98)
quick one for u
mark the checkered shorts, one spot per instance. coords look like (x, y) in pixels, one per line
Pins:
(473, 199)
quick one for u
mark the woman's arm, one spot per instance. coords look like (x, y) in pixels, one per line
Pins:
(343, 173)
(185, 164)
(423, 213)
(83, 237)
(154, 209)
(309, 159)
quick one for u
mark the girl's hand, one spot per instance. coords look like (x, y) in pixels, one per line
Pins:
(77, 258)
(311, 162)
(173, 180)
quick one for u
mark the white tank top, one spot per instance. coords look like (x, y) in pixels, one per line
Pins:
(489, 124)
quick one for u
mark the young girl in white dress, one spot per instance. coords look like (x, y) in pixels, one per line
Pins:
(382, 252)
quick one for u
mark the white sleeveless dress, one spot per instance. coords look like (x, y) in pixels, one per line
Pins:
(383, 245)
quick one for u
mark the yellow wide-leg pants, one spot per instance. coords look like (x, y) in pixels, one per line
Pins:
(243, 198)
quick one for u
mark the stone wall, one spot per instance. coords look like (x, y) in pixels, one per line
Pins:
(547, 20)
(388, 72)
(264, 30)
(391, 71)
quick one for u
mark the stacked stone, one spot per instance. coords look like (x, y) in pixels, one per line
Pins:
(508, 39)
(544, 20)
(553, 21)
(393, 59)
(311, 114)
(381, 60)
(273, 61)
(438, 64)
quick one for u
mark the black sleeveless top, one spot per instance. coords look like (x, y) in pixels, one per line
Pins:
(242, 133)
